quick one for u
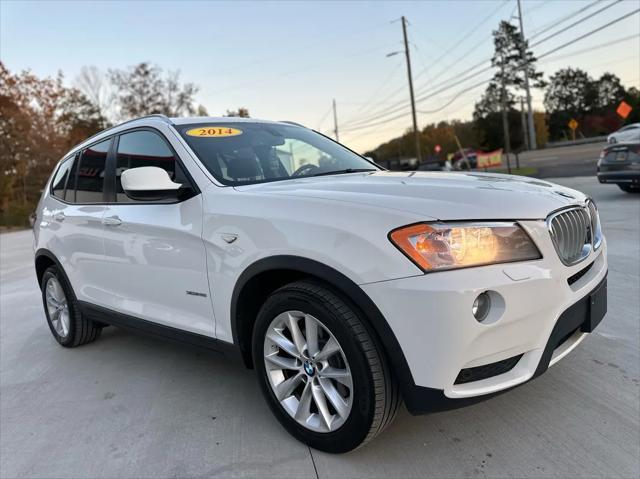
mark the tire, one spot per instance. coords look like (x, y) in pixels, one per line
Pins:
(373, 397)
(67, 324)
(629, 188)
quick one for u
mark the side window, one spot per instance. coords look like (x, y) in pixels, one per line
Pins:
(145, 148)
(60, 179)
(89, 175)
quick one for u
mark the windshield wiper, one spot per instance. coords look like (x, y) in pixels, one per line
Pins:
(342, 172)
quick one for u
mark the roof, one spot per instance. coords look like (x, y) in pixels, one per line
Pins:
(217, 119)
(145, 120)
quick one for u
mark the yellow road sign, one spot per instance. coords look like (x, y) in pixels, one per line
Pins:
(573, 124)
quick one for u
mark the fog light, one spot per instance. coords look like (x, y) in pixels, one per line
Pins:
(481, 306)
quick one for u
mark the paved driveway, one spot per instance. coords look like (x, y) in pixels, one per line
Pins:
(133, 406)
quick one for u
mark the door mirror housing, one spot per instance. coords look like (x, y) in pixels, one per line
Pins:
(149, 183)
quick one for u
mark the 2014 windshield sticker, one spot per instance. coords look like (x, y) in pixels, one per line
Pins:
(214, 132)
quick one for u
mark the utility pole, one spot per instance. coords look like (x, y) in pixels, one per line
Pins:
(335, 121)
(505, 119)
(523, 50)
(525, 133)
(416, 132)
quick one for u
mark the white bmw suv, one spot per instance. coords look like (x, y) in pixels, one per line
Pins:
(348, 288)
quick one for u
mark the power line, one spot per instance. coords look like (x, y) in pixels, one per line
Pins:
(369, 103)
(324, 117)
(588, 34)
(555, 23)
(381, 122)
(456, 96)
(468, 35)
(425, 97)
(590, 49)
(578, 22)
(368, 124)
(446, 53)
(533, 9)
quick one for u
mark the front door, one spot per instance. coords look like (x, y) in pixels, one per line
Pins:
(155, 263)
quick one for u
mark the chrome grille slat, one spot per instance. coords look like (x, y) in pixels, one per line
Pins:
(570, 232)
(571, 223)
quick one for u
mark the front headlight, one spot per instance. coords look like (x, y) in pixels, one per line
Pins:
(441, 246)
(596, 228)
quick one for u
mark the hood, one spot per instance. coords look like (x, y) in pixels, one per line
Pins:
(437, 195)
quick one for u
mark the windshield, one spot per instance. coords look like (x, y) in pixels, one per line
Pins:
(244, 153)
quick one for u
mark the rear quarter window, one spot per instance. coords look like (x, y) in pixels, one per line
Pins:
(60, 178)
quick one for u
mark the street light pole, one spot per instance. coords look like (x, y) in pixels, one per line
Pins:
(523, 50)
(416, 132)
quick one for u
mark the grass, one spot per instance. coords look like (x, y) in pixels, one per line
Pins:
(524, 171)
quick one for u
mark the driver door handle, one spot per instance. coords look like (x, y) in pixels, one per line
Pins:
(111, 221)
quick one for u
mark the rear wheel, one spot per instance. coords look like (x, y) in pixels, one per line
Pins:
(68, 326)
(320, 369)
(630, 188)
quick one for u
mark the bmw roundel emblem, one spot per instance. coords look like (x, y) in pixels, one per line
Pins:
(308, 368)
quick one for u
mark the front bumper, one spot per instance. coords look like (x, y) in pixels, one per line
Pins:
(432, 320)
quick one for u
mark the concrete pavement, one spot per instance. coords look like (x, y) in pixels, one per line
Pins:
(133, 406)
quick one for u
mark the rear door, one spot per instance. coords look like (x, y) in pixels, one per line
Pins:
(79, 244)
(155, 263)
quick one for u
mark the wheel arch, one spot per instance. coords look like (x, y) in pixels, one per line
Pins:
(250, 292)
(45, 259)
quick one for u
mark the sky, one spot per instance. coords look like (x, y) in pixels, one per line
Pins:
(289, 60)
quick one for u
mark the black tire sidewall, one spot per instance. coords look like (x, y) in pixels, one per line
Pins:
(629, 188)
(53, 272)
(357, 426)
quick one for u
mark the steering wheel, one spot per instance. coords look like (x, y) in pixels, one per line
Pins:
(304, 169)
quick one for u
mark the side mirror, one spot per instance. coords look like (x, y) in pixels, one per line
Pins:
(149, 183)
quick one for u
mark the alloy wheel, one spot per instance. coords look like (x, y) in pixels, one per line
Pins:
(308, 371)
(57, 307)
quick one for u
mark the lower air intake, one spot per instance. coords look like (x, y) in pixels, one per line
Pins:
(486, 371)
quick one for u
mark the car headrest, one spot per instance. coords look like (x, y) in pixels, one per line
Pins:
(244, 165)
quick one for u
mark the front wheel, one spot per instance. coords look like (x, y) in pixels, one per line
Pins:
(322, 372)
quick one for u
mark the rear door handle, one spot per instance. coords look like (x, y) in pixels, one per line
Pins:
(111, 221)
(59, 216)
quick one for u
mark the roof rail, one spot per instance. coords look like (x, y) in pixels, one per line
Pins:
(154, 115)
(292, 123)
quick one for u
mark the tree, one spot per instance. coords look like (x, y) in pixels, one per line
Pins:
(201, 111)
(433, 134)
(608, 91)
(95, 85)
(509, 60)
(570, 95)
(79, 118)
(573, 94)
(488, 123)
(570, 91)
(491, 101)
(240, 112)
(40, 119)
(494, 114)
(145, 90)
(632, 97)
